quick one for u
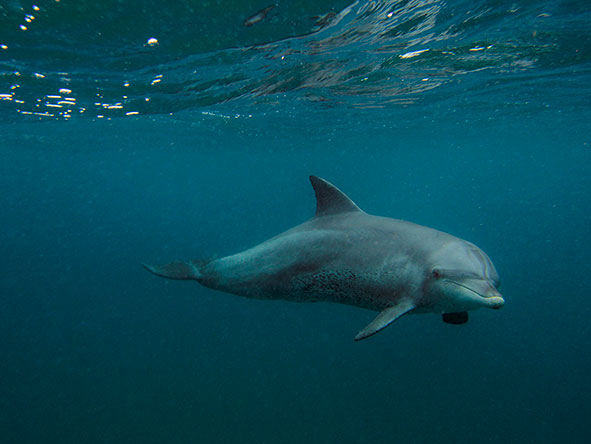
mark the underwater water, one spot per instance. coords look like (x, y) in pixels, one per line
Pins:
(135, 132)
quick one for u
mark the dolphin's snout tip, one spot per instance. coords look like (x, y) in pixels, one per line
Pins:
(496, 302)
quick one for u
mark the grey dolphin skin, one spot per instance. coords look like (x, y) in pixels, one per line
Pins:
(347, 256)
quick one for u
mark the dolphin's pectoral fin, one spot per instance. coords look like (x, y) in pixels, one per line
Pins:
(385, 318)
(175, 270)
(455, 318)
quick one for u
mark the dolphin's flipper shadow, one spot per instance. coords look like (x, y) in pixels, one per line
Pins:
(455, 318)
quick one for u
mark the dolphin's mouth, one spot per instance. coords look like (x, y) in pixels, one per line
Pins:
(465, 286)
(494, 301)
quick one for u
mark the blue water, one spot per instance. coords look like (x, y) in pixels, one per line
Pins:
(469, 117)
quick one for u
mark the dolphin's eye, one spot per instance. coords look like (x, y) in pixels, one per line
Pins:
(436, 273)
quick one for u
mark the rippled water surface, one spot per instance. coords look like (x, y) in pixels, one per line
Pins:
(143, 131)
(105, 59)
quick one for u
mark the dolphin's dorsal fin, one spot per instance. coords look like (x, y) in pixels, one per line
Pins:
(329, 199)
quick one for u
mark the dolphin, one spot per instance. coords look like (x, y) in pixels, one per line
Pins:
(347, 256)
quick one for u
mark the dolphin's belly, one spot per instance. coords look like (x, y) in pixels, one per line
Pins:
(313, 266)
(344, 286)
(365, 289)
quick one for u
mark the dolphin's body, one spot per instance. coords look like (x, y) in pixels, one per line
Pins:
(347, 256)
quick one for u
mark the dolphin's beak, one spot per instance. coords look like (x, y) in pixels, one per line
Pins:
(491, 296)
(495, 302)
(481, 291)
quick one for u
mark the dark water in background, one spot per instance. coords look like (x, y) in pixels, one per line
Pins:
(486, 135)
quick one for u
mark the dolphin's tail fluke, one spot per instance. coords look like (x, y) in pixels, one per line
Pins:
(176, 270)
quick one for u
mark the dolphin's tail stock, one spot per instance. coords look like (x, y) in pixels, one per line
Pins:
(177, 270)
